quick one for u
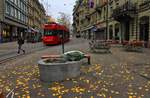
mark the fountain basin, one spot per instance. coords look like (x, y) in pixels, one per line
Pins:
(58, 71)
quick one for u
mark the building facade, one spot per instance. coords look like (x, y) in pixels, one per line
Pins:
(17, 16)
(113, 19)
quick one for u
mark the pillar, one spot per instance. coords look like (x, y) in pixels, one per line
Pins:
(122, 29)
(107, 31)
(1, 33)
(149, 33)
(138, 29)
(149, 27)
(113, 26)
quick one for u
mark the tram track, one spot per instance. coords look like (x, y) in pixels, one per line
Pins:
(13, 57)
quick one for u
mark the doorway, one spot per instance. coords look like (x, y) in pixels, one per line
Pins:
(127, 30)
(111, 32)
(117, 36)
(144, 29)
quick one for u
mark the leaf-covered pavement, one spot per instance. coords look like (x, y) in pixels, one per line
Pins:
(112, 75)
(96, 81)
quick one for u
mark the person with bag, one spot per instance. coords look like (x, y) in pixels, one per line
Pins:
(20, 43)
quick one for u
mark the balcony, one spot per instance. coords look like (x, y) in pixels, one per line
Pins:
(125, 12)
(145, 5)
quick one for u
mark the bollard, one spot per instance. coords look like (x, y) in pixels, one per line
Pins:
(88, 58)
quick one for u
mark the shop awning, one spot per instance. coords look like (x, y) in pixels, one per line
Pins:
(32, 30)
(89, 28)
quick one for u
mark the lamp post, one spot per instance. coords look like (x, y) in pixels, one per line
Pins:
(107, 24)
(62, 35)
(137, 20)
(62, 42)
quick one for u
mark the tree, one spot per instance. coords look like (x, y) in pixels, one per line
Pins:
(50, 19)
(64, 19)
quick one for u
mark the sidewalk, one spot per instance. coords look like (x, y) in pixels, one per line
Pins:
(10, 49)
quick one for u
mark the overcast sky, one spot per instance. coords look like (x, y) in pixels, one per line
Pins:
(53, 7)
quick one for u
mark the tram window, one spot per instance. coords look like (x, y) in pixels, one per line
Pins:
(49, 32)
(60, 32)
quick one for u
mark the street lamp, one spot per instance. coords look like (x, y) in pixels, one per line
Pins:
(137, 20)
(62, 41)
(63, 49)
(62, 35)
(107, 19)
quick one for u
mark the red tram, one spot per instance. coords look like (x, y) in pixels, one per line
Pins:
(54, 33)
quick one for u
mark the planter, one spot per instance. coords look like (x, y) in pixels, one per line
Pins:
(98, 45)
(58, 71)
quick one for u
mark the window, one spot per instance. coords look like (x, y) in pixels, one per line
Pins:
(111, 11)
(19, 15)
(12, 11)
(7, 10)
(104, 14)
(26, 19)
(23, 7)
(23, 18)
(11, 0)
(50, 32)
(15, 1)
(19, 3)
(15, 13)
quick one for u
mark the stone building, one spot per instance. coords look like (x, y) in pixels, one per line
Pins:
(17, 16)
(113, 19)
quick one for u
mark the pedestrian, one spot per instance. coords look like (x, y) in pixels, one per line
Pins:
(20, 43)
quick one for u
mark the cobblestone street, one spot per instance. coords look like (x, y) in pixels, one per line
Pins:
(118, 74)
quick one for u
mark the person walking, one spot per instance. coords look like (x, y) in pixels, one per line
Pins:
(20, 43)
